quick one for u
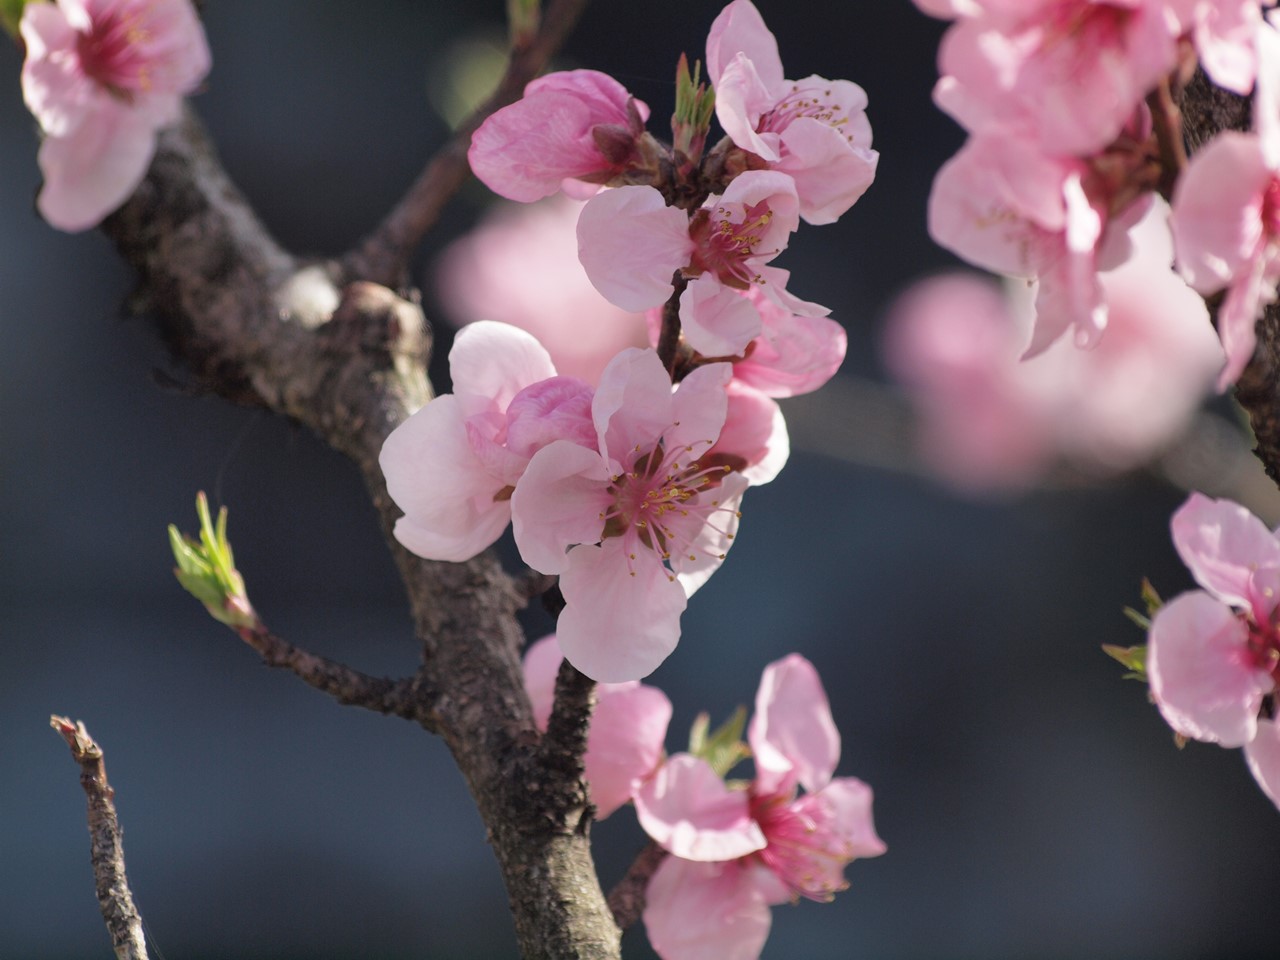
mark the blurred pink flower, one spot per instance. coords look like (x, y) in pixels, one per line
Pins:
(101, 77)
(988, 420)
(628, 727)
(735, 852)
(520, 266)
(814, 130)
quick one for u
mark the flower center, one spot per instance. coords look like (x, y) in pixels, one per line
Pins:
(803, 103)
(657, 503)
(723, 246)
(807, 853)
(111, 52)
(1271, 209)
(1264, 647)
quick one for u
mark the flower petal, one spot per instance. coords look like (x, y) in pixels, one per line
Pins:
(689, 811)
(792, 735)
(1229, 551)
(631, 244)
(707, 911)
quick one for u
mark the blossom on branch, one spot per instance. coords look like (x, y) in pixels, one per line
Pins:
(814, 130)
(101, 77)
(739, 849)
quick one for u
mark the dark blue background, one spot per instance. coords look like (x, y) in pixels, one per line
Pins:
(1033, 804)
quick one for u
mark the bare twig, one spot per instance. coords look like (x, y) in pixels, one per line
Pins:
(383, 256)
(627, 899)
(106, 843)
(565, 741)
(399, 698)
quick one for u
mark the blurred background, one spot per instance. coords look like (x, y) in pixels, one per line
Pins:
(1033, 802)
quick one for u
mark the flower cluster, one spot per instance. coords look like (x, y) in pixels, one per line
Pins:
(1213, 655)
(736, 848)
(1067, 103)
(625, 480)
(101, 77)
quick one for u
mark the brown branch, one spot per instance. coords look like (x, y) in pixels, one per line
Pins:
(106, 843)
(627, 898)
(565, 742)
(259, 326)
(399, 698)
(383, 256)
(1166, 121)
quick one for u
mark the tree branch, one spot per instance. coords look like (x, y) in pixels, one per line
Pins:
(260, 326)
(106, 843)
(400, 698)
(383, 256)
(627, 899)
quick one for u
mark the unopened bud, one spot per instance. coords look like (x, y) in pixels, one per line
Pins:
(207, 570)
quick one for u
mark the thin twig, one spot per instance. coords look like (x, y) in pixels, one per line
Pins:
(627, 899)
(106, 843)
(382, 257)
(565, 741)
(1166, 120)
(399, 698)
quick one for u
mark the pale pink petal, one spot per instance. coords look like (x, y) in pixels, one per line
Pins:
(631, 244)
(740, 29)
(699, 407)
(559, 501)
(794, 354)
(1224, 34)
(778, 192)
(446, 493)
(707, 911)
(741, 98)
(1225, 546)
(754, 434)
(1238, 316)
(558, 408)
(1263, 756)
(94, 168)
(845, 805)
(57, 93)
(605, 96)
(830, 173)
(491, 362)
(793, 736)
(1266, 96)
(1217, 210)
(632, 406)
(541, 666)
(1202, 678)
(711, 541)
(622, 616)
(625, 743)
(689, 811)
(717, 321)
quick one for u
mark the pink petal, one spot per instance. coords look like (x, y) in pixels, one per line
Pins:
(625, 744)
(707, 911)
(57, 93)
(95, 168)
(622, 616)
(558, 502)
(605, 96)
(712, 540)
(794, 354)
(446, 493)
(1225, 546)
(699, 407)
(632, 408)
(716, 320)
(690, 812)
(631, 244)
(541, 666)
(741, 98)
(1263, 756)
(491, 362)
(755, 431)
(792, 735)
(830, 173)
(740, 29)
(558, 408)
(1201, 675)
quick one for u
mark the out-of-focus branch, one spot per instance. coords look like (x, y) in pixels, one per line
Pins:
(106, 843)
(627, 899)
(383, 256)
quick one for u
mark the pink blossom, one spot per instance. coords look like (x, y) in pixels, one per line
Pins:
(738, 851)
(101, 77)
(520, 266)
(452, 465)
(1002, 204)
(572, 125)
(1223, 32)
(1068, 72)
(990, 421)
(1214, 654)
(815, 130)
(637, 525)
(628, 726)
(631, 244)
